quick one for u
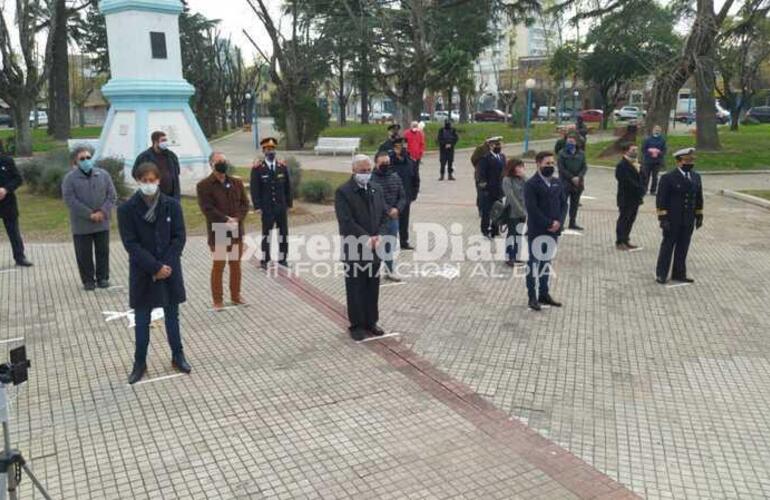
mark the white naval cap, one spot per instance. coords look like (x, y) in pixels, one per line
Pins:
(496, 138)
(683, 152)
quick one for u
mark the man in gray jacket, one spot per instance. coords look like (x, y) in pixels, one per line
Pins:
(90, 196)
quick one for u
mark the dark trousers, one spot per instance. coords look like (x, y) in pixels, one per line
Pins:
(573, 197)
(626, 219)
(362, 287)
(485, 205)
(676, 243)
(650, 172)
(271, 219)
(447, 159)
(538, 270)
(403, 224)
(14, 236)
(512, 247)
(85, 245)
(142, 319)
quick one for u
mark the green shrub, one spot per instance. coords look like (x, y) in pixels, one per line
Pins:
(32, 172)
(44, 175)
(311, 118)
(115, 167)
(295, 175)
(50, 181)
(317, 191)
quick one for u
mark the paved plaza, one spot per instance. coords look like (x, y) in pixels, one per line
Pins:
(632, 389)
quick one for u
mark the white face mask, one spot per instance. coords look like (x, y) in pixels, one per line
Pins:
(363, 179)
(148, 188)
(163, 145)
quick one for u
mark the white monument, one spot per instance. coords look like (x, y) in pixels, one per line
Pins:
(147, 91)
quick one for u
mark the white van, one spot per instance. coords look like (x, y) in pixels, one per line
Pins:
(546, 113)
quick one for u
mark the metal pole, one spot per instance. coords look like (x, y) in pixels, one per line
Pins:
(529, 113)
(254, 122)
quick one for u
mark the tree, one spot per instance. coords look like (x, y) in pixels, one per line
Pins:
(83, 83)
(199, 68)
(21, 77)
(621, 51)
(741, 51)
(89, 31)
(293, 67)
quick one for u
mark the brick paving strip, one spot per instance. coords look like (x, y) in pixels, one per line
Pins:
(559, 464)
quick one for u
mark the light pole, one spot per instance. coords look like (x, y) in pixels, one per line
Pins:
(575, 95)
(529, 84)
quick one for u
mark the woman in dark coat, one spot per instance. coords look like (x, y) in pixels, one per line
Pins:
(152, 229)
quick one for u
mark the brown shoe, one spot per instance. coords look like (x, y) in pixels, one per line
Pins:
(238, 301)
(629, 246)
(622, 246)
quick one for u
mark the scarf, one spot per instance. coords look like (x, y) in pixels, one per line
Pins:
(151, 214)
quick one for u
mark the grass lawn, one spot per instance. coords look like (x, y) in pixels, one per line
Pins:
(471, 134)
(758, 193)
(44, 218)
(42, 142)
(745, 149)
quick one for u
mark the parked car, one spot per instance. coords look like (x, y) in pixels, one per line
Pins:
(628, 113)
(491, 115)
(42, 118)
(424, 117)
(441, 116)
(546, 112)
(592, 115)
(759, 113)
(688, 118)
(6, 120)
(381, 116)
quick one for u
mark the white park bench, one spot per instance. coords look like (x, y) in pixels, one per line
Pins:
(336, 145)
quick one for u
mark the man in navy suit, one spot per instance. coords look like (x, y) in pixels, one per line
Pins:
(490, 184)
(546, 203)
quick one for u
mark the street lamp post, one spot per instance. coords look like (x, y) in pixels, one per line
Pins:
(529, 84)
(575, 95)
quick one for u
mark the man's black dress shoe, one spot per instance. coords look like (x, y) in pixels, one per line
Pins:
(181, 364)
(137, 373)
(548, 301)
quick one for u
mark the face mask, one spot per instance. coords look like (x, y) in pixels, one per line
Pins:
(447, 125)
(86, 165)
(497, 150)
(148, 188)
(384, 167)
(547, 171)
(414, 129)
(632, 156)
(687, 167)
(163, 145)
(363, 179)
(570, 148)
(221, 167)
(270, 156)
(656, 134)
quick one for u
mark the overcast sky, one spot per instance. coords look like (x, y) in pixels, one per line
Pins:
(235, 16)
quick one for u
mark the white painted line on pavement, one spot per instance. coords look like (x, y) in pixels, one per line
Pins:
(165, 377)
(637, 249)
(387, 335)
(677, 284)
(572, 232)
(584, 197)
(8, 271)
(17, 339)
(393, 284)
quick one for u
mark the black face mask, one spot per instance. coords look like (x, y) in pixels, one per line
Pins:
(686, 167)
(497, 149)
(447, 125)
(222, 167)
(547, 171)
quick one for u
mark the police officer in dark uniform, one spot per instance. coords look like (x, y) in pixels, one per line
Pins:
(680, 211)
(10, 180)
(407, 170)
(271, 194)
(394, 133)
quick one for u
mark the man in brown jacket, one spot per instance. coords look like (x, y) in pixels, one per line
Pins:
(223, 201)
